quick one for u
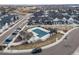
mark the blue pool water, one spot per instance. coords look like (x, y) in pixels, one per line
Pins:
(40, 32)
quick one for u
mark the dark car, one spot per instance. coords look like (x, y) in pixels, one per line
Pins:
(36, 50)
(14, 33)
(18, 28)
(8, 40)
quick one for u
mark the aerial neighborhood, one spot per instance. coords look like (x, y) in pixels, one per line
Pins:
(39, 29)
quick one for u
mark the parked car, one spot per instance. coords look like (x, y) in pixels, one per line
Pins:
(18, 29)
(8, 40)
(36, 50)
(14, 33)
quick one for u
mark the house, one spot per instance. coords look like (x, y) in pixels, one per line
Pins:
(70, 20)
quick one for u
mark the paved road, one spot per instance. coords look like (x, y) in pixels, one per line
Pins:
(10, 30)
(66, 47)
(76, 52)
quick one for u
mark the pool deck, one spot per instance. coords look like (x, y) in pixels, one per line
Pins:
(39, 32)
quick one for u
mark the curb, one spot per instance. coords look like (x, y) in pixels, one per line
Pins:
(53, 44)
(45, 47)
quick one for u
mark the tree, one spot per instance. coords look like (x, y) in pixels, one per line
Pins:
(55, 30)
(52, 30)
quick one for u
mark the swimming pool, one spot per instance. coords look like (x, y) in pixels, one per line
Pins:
(40, 32)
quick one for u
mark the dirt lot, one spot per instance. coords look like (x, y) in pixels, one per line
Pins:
(52, 39)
